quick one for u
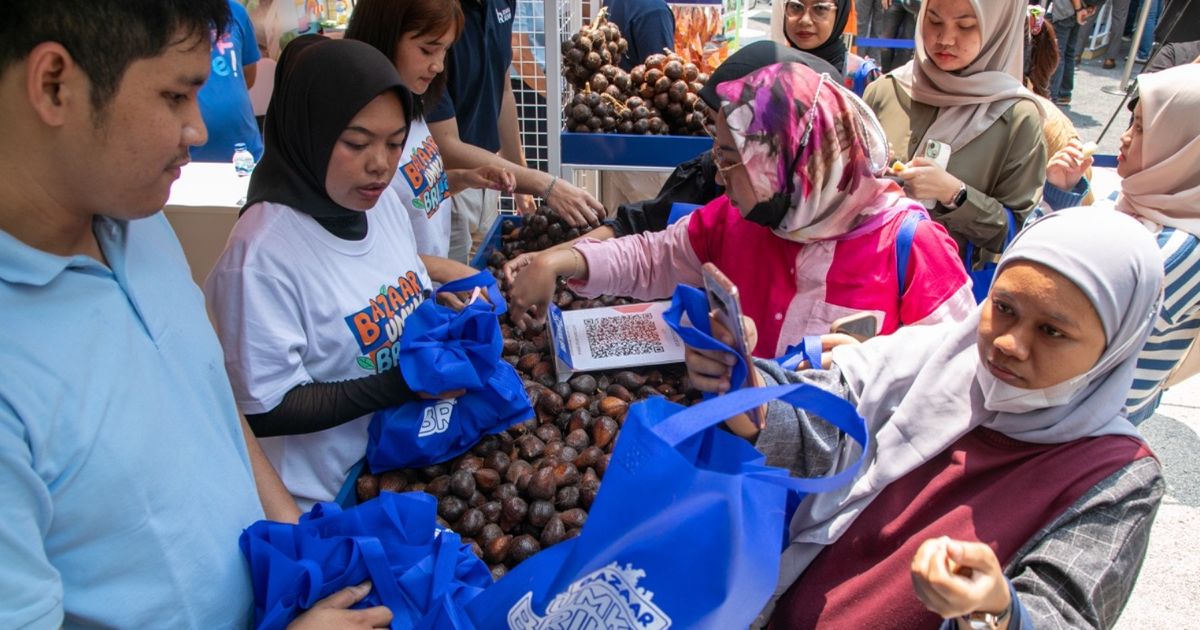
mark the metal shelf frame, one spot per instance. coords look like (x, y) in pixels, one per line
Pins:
(568, 152)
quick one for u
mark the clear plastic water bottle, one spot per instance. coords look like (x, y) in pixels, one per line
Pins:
(243, 160)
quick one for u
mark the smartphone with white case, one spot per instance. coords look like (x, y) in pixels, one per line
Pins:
(938, 152)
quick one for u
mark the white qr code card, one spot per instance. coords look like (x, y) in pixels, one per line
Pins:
(612, 337)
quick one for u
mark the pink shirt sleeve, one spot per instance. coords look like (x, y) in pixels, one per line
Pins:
(644, 266)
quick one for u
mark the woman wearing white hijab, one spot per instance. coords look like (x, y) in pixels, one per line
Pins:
(997, 445)
(964, 89)
(1160, 164)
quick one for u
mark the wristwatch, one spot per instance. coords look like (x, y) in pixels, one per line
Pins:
(987, 621)
(959, 199)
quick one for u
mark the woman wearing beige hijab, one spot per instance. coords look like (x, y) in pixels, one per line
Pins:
(1160, 166)
(964, 90)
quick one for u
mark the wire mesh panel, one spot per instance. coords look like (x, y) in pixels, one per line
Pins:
(529, 79)
(532, 75)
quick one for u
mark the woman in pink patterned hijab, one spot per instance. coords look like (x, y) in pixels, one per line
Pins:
(806, 229)
(817, 180)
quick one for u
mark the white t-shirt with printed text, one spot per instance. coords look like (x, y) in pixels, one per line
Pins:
(421, 184)
(295, 304)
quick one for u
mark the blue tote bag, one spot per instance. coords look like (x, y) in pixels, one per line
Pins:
(423, 573)
(686, 531)
(443, 350)
(688, 317)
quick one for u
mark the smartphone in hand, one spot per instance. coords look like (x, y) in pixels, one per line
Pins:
(726, 308)
(861, 326)
(939, 152)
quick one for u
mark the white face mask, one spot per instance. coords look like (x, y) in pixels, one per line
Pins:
(1001, 397)
(1004, 398)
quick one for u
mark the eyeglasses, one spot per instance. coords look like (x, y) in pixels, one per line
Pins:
(723, 166)
(818, 10)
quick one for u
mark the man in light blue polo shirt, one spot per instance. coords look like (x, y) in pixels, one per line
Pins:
(126, 476)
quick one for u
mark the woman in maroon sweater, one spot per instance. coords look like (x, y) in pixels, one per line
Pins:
(1004, 480)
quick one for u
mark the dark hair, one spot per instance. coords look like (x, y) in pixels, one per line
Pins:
(105, 36)
(381, 23)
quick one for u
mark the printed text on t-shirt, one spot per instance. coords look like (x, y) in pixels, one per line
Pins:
(224, 58)
(426, 177)
(378, 327)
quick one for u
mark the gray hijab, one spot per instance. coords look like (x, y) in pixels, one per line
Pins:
(1108, 255)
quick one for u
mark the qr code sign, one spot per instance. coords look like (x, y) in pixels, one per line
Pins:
(622, 336)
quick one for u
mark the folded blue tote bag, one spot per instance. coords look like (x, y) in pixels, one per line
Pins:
(422, 572)
(687, 529)
(443, 350)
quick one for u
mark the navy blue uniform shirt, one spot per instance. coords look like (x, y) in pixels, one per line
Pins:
(648, 26)
(477, 71)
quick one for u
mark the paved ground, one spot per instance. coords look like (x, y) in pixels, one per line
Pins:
(1168, 591)
(1092, 106)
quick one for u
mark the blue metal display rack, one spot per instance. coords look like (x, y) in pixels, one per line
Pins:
(614, 150)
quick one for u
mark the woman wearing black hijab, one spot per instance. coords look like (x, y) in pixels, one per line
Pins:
(816, 27)
(321, 269)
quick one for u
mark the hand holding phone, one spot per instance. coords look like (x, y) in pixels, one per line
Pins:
(939, 152)
(726, 308)
(926, 178)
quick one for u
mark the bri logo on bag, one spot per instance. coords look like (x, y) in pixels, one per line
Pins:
(437, 418)
(605, 598)
(377, 327)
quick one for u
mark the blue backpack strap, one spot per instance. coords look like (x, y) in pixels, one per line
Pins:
(981, 279)
(680, 210)
(1012, 227)
(1008, 238)
(867, 72)
(904, 242)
